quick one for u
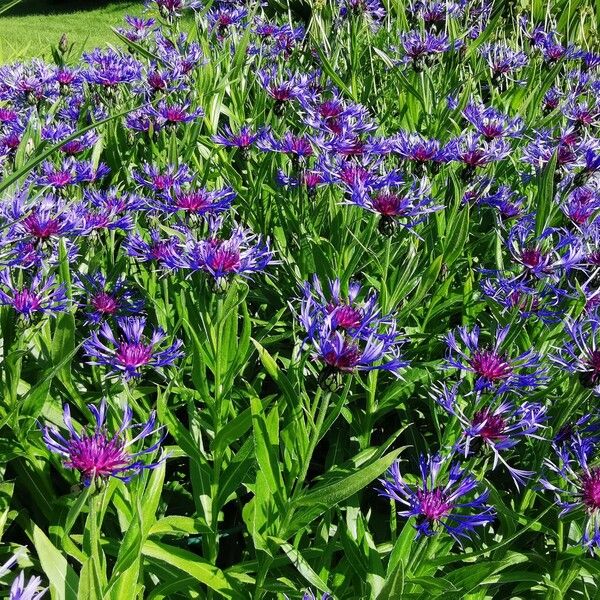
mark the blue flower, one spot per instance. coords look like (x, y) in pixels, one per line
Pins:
(42, 295)
(440, 503)
(580, 353)
(100, 454)
(131, 352)
(496, 424)
(578, 490)
(492, 365)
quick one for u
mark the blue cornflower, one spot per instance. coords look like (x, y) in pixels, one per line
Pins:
(42, 295)
(405, 207)
(162, 180)
(502, 59)
(181, 55)
(241, 252)
(415, 147)
(580, 353)
(165, 251)
(172, 113)
(244, 138)
(109, 68)
(351, 313)
(21, 590)
(139, 28)
(104, 299)
(348, 334)
(196, 201)
(281, 89)
(525, 299)
(491, 123)
(579, 488)
(371, 10)
(131, 352)
(100, 455)
(298, 147)
(448, 503)
(547, 256)
(107, 209)
(508, 202)
(492, 366)
(222, 19)
(344, 353)
(170, 9)
(496, 424)
(69, 172)
(474, 150)
(582, 205)
(421, 47)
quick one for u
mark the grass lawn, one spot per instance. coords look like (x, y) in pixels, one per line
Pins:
(32, 27)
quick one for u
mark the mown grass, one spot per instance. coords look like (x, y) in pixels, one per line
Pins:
(34, 26)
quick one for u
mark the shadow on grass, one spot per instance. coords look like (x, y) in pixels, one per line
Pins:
(55, 7)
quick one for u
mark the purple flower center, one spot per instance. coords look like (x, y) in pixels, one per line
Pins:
(97, 456)
(26, 302)
(433, 504)
(193, 202)
(105, 303)
(532, 257)
(345, 359)
(493, 425)
(490, 365)
(387, 204)
(590, 489)
(224, 260)
(39, 227)
(344, 315)
(593, 364)
(59, 179)
(134, 355)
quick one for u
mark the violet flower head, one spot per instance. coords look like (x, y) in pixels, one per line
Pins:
(164, 251)
(171, 113)
(371, 10)
(244, 138)
(69, 172)
(348, 333)
(475, 151)
(547, 256)
(109, 68)
(577, 487)
(170, 9)
(26, 590)
(404, 207)
(491, 123)
(496, 426)
(309, 595)
(139, 28)
(356, 313)
(502, 59)
(580, 353)
(222, 255)
(492, 364)
(131, 352)
(414, 147)
(422, 47)
(196, 201)
(440, 502)
(41, 296)
(162, 180)
(98, 454)
(523, 299)
(104, 299)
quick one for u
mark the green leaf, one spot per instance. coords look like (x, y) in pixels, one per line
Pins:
(545, 195)
(321, 499)
(191, 564)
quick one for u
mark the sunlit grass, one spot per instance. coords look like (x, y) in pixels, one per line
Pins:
(32, 28)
